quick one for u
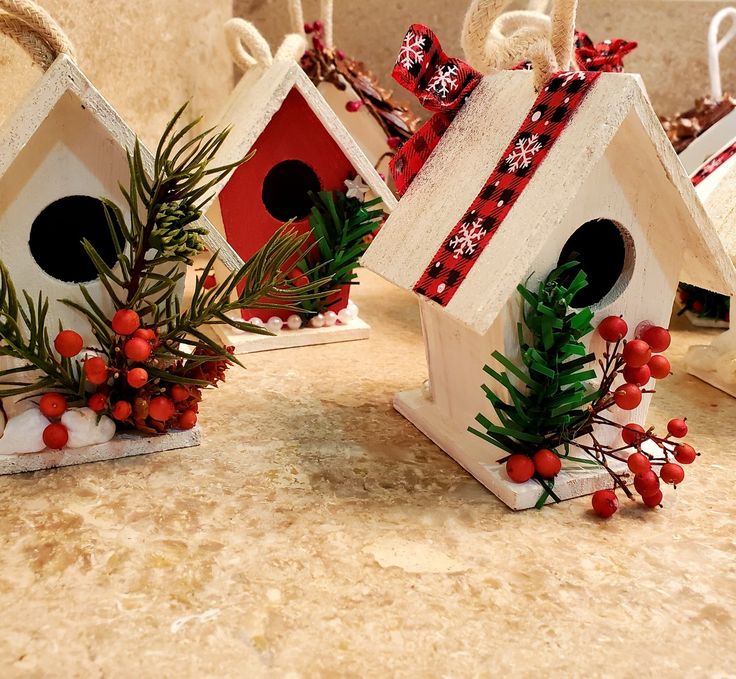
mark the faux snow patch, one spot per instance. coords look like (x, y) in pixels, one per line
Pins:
(84, 429)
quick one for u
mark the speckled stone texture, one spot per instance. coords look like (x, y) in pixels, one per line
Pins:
(317, 533)
(672, 56)
(147, 58)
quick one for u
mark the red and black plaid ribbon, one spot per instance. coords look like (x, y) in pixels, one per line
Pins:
(545, 122)
(607, 56)
(713, 163)
(441, 84)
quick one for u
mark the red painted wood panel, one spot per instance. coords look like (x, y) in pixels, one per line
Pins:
(294, 133)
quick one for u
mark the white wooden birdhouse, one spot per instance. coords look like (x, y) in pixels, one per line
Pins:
(299, 148)
(520, 182)
(62, 150)
(715, 183)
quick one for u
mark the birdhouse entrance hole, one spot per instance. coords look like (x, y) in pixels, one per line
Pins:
(605, 252)
(57, 234)
(286, 190)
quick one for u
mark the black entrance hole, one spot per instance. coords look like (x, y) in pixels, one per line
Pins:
(286, 190)
(57, 233)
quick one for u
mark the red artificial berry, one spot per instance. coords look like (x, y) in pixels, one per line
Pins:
(97, 402)
(632, 433)
(672, 473)
(126, 322)
(393, 142)
(308, 28)
(697, 306)
(659, 366)
(95, 370)
(685, 453)
(637, 353)
(122, 410)
(161, 408)
(627, 396)
(55, 436)
(657, 337)
(520, 468)
(145, 334)
(678, 428)
(639, 463)
(354, 105)
(68, 343)
(339, 54)
(646, 483)
(187, 419)
(638, 376)
(137, 377)
(318, 25)
(613, 328)
(137, 349)
(179, 393)
(653, 500)
(605, 503)
(52, 404)
(546, 463)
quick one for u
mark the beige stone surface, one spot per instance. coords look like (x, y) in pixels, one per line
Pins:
(316, 533)
(672, 56)
(147, 58)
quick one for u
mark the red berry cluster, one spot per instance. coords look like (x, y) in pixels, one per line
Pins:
(642, 358)
(124, 388)
(545, 464)
(53, 406)
(639, 361)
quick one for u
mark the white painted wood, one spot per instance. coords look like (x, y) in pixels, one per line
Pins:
(708, 143)
(457, 442)
(248, 342)
(125, 444)
(473, 145)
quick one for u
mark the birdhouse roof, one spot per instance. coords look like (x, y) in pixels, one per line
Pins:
(258, 97)
(718, 193)
(474, 144)
(62, 77)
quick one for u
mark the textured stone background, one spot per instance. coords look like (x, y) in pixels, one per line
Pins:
(672, 35)
(147, 58)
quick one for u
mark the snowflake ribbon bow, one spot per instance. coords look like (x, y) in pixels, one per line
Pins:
(605, 56)
(441, 84)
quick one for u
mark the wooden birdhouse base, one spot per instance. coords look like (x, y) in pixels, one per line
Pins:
(713, 379)
(462, 447)
(700, 322)
(123, 445)
(248, 342)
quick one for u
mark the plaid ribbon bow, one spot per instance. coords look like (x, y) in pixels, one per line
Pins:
(607, 56)
(441, 84)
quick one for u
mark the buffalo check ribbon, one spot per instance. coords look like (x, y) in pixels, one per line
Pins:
(542, 127)
(713, 163)
(603, 56)
(441, 84)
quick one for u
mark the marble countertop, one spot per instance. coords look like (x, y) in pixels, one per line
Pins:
(317, 533)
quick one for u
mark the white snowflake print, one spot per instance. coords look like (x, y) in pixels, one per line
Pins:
(465, 242)
(524, 151)
(444, 81)
(412, 50)
(573, 75)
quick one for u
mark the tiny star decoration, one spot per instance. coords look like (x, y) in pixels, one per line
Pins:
(356, 188)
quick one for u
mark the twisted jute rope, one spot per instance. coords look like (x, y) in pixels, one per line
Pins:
(35, 30)
(492, 43)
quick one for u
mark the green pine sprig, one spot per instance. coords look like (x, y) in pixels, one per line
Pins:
(549, 394)
(341, 227)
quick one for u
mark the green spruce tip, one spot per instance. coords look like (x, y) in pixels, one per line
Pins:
(153, 245)
(549, 391)
(340, 226)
